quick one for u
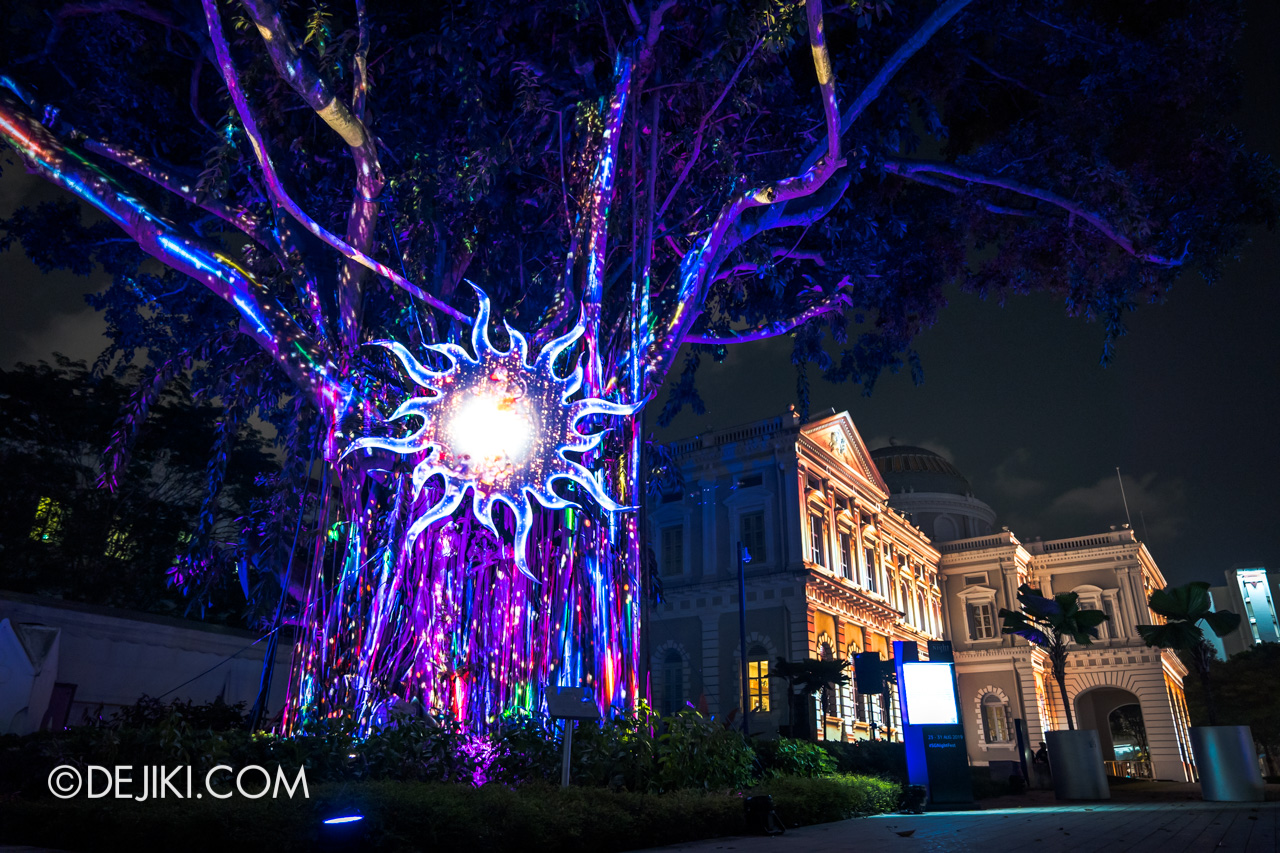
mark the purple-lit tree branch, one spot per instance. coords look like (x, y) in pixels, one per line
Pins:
(700, 261)
(835, 302)
(263, 317)
(912, 168)
(298, 71)
(272, 177)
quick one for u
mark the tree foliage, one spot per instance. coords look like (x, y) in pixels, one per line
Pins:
(283, 182)
(62, 535)
(1184, 608)
(1051, 623)
(1246, 693)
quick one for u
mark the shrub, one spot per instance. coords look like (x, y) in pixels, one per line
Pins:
(800, 801)
(790, 757)
(870, 758)
(697, 751)
(405, 816)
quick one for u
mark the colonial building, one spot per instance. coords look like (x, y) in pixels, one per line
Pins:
(842, 561)
(833, 571)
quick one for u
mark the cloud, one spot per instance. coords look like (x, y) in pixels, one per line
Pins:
(1010, 478)
(1158, 507)
(878, 441)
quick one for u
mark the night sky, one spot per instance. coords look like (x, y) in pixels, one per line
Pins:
(1013, 395)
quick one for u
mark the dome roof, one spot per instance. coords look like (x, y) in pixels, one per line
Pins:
(914, 469)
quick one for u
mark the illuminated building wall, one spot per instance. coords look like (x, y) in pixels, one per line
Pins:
(834, 571)
(1252, 592)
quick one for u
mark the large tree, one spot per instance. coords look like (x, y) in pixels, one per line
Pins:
(621, 179)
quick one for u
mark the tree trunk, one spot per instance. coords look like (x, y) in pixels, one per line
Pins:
(1208, 695)
(1060, 676)
(452, 625)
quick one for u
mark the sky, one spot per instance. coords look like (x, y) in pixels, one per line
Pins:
(1013, 395)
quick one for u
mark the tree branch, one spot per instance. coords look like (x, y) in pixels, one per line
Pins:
(912, 169)
(276, 189)
(263, 317)
(696, 263)
(834, 303)
(702, 127)
(237, 217)
(298, 71)
(602, 186)
(778, 216)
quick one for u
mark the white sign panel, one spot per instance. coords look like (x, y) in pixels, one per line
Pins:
(930, 694)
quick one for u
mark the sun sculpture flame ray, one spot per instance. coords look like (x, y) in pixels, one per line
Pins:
(498, 425)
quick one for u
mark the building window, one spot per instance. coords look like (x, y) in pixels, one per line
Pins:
(995, 719)
(846, 556)
(750, 482)
(982, 623)
(48, 523)
(869, 557)
(672, 682)
(672, 551)
(758, 679)
(830, 702)
(922, 615)
(817, 540)
(120, 545)
(752, 532)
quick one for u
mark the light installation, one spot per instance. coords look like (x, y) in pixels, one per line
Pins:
(407, 596)
(498, 426)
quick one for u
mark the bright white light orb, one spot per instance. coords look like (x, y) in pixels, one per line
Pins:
(500, 426)
(490, 428)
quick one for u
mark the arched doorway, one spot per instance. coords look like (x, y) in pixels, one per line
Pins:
(1116, 715)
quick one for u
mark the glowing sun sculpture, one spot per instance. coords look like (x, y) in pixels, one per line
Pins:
(500, 426)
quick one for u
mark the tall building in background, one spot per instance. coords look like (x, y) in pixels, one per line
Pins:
(851, 550)
(1252, 592)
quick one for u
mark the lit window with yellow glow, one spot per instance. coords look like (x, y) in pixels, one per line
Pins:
(758, 684)
(48, 523)
(120, 546)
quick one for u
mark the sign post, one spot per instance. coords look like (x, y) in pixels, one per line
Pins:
(936, 755)
(569, 704)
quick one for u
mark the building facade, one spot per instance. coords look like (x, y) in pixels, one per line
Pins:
(852, 549)
(833, 571)
(1001, 677)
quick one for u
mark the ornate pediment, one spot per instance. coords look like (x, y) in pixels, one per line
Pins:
(838, 437)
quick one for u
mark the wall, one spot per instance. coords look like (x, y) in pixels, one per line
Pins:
(116, 657)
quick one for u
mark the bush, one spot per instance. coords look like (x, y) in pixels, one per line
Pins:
(790, 757)
(405, 816)
(870, 758)
(800, 801)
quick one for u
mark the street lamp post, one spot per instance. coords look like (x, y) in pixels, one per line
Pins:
(744, 557)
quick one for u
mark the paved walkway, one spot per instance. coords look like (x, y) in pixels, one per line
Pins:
(1140, 827)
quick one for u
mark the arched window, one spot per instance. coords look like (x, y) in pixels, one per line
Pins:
(995, 719)
(758, 678)
(672, 682)
(830, 705)
(922, 615)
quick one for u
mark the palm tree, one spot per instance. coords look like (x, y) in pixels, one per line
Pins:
(1183, 608)
(1049, 623)
(805, 678)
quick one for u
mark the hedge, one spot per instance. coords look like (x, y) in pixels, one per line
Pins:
(406, 816)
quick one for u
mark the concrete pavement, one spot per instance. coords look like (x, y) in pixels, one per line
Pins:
(1123, 827)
